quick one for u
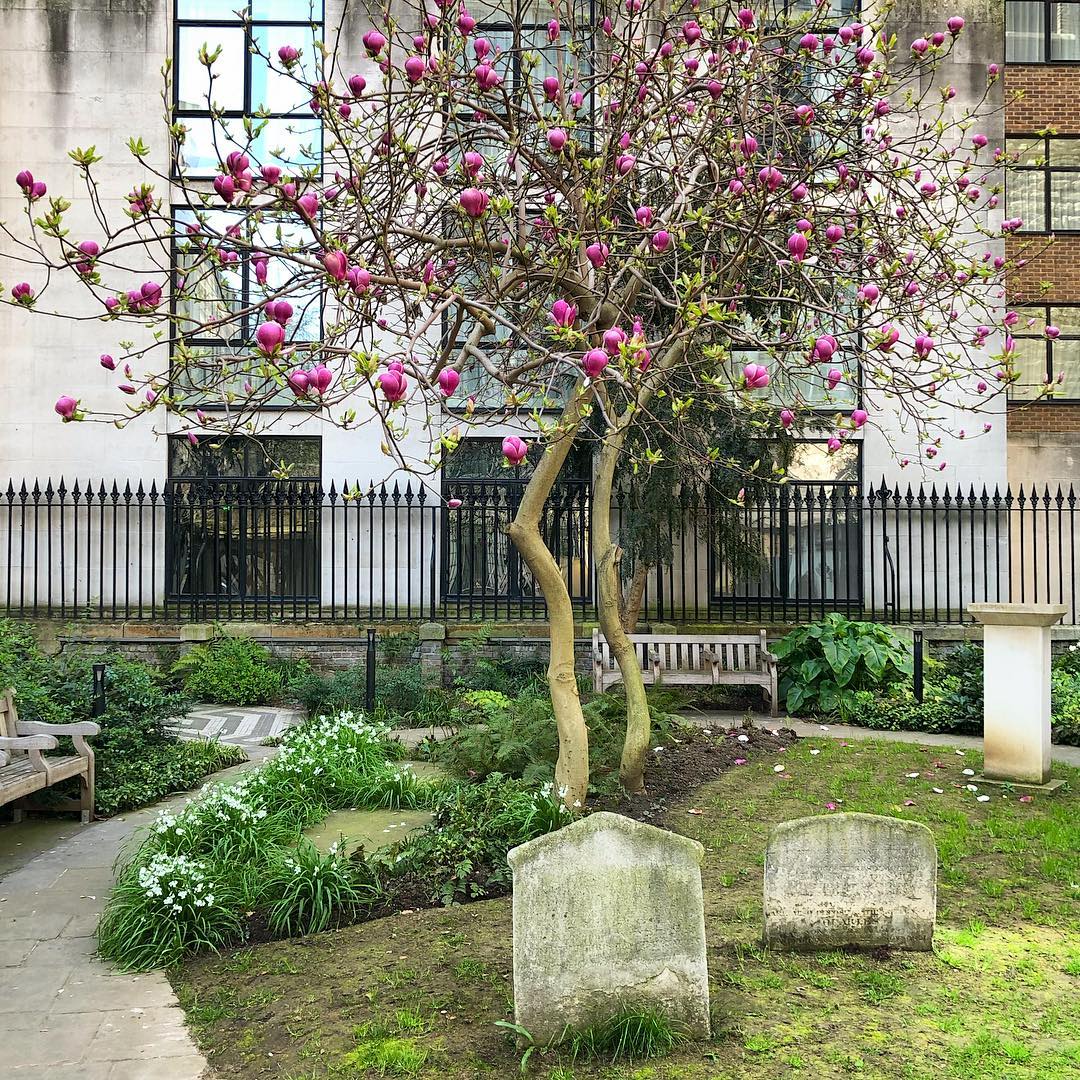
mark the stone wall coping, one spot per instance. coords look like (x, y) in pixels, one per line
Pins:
(603, 821)
(1018, 614)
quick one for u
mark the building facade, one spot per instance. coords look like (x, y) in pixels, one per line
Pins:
(97, 522)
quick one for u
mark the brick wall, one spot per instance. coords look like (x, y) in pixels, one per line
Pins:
(1055, 261)
(1044, 416)
(1051, 98)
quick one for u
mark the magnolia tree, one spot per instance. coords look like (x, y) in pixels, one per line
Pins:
(603, 225)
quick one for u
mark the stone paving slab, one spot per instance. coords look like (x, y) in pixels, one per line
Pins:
(246, 727)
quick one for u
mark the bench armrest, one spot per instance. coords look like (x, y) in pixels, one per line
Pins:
(39, 727)
(28, 742)
(768, 657)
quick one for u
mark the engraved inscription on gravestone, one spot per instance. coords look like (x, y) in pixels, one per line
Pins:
(850, 879)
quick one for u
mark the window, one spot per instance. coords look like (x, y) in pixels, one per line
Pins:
(1038, 359)
(237, 533)
(1043, 187)
(229, 294)
(1041, 32)
(480, 564)
(248, 81)
(808, 534)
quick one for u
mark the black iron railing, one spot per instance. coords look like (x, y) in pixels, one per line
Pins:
(262, 549)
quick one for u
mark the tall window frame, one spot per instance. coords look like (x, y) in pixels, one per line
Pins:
(1041, 356)
(1045, 176)
(1036, 33)
(256, 20)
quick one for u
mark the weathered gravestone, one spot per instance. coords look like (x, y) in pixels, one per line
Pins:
(608, 915)
(850, 879)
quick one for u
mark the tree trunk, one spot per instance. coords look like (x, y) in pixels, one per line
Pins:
(572, 767)
(635, 593)
(605, 556)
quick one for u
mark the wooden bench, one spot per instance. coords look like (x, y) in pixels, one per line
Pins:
(693, 660)
(24, 769)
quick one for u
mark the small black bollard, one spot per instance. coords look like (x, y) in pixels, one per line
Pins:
(98, 707)
(916, 668)
(369, 690)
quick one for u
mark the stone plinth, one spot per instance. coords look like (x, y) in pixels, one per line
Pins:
(850, 880)
(1016, 689)
(608, 915)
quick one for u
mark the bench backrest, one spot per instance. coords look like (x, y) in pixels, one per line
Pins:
(692, 652)
(9, 718)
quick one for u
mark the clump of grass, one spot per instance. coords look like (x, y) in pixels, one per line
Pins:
(631, 1034)
(391, 1056)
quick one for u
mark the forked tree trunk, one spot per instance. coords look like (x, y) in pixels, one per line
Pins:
(572, 767)
(635, 594)
(609, 596)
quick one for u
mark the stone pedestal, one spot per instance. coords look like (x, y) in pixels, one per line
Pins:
(1016, 689)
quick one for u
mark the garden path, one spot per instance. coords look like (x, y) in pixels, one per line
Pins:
(246, 727)
(1070, 755)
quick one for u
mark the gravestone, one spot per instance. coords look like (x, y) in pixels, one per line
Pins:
(608, 914)
(850, 879)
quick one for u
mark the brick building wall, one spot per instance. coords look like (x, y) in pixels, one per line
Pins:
(1040, 96)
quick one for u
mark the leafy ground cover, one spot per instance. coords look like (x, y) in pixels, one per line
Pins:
(419, 994)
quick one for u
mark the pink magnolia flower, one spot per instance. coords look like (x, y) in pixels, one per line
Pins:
(514, 449)
(336, 264)
(625, 163)
(924, 345)
(557, 139)
(308, 205)
(22, 293)
(746, 18)
(889, 337)
(834, 378)
(614, 339)
(298, 382)
(453, 504)
(279, 311)
(449, 380)
(288, 55)
(859, 417)
(551, 87)
(597, 254)
(270, 173)
(270, 336)
(553, 30)
(319, 379)
(756, 376)
(466, 23)
(594, 362)
(797, 245)
(787, 418)
(824, 348)
(691, 31)
(359, 279)
(661, 240)
(563, 313)
(25, 180)
(107, 362)
(868, 293)
(393, 384)
(955, 25)
(374, 42)
(225, 186)
(66, 407)
(474, 202)
(1052, 332)
(261, 266)
(643, 215)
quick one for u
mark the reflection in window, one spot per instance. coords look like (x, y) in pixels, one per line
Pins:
(1040, 31)
(235, 533)
(220, 307)
(248, 81)
(1038, 360)
(1043, 186)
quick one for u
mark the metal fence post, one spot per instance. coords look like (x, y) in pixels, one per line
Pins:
(917, 664)
(369, 690)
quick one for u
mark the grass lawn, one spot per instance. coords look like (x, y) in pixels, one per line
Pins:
(418, 994)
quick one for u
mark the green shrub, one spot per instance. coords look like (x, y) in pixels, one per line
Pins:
(305, 889)
(519, 738)
(1065, 704)
(823, 663)
(461, 855)
(899, 711)
(238, 837)
(126, 781)
(328, 695)
(164, 908)
(231, 671)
